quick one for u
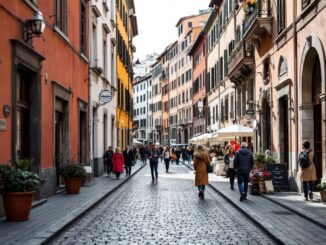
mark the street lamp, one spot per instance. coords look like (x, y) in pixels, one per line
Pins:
(34, 26)
(200, 107)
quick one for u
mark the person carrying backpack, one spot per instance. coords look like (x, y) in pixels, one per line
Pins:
(307, 161)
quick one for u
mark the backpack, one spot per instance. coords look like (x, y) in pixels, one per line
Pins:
(304, 159)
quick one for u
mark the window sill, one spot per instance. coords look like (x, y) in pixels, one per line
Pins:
(31, 5)
(308, 8)
(84, 57)
(61, 34)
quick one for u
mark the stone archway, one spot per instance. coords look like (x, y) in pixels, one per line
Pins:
(312, 106)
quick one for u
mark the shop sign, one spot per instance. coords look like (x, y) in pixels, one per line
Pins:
(250, 112)
(105, 96)
(3, 125)
(280, 176)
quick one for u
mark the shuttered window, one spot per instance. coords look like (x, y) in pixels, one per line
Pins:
(280, 15)
(61, 15)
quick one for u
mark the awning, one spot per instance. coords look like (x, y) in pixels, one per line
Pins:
(235, 130)
(136, 142)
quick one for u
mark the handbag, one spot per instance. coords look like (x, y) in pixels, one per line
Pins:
(209, 168)
(226, 168)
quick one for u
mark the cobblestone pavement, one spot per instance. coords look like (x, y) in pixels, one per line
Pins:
(165, 213)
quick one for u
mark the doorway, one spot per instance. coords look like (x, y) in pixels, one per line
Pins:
(284, 129)
(82, 137)
(316, 91)
(266, 126)
(59, 145)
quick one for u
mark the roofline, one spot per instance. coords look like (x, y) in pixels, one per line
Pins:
(143, 78)
(209, 21)
(189, 17)
(215, 2)
(196, 43)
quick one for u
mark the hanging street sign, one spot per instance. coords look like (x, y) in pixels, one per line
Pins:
(105, 96)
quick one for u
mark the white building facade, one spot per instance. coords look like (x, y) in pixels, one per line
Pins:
(142, 114)
(102, 78)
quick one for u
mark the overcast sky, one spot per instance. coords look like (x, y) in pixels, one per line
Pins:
(156, 22)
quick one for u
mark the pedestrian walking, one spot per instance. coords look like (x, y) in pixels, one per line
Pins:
(142, 152)
(177, 153)
(307, 161)
(201, 160)
(167, 156)
(128, 156)
(190, 153)
(243, 163)
(153, 155)
(161, 149)
(117, 162)
(184, 154)
(229, 163)
(107, 160)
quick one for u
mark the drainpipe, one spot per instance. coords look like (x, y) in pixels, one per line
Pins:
(295, 82)
(90, 140)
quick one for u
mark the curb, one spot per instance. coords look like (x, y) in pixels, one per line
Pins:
(256, 222)
(45, 237)
(297, 211)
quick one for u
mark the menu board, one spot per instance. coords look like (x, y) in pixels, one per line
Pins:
(280, 176)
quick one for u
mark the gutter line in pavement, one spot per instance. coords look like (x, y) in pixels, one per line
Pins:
(255, 221)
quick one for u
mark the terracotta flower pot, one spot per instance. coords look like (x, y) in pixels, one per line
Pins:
(73, 185)
(323, 196)
(18, 205)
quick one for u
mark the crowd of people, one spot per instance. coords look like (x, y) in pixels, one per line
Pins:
(239, 162)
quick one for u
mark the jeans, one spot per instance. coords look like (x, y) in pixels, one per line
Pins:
(177, 161)
(153, 166)
(243, 180)
(201, 188)
(308, 186)
(128, 170)
(189, 159)
(167, 164)
(231, 174)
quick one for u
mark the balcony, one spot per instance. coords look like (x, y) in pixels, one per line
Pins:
(258, 22)
(241, 62)
(158, 127)
(184, 122)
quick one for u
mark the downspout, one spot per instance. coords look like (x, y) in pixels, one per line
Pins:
(295, 82)
(90, 140)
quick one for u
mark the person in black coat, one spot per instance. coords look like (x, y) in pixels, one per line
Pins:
(107, 160)
(243, 163)
(128, 156)
(177, 152)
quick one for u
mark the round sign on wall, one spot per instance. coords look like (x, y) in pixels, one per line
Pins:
(105, 96)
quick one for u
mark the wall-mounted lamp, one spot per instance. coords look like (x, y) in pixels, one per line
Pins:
(34, 27)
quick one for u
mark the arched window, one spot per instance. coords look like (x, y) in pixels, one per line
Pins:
(282, 67)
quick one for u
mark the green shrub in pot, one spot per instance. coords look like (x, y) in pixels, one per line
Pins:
(73, 173)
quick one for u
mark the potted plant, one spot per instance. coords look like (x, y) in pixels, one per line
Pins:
(322, 189)
(254, 184)
(259, 160)
(18, 185)
(73, 174)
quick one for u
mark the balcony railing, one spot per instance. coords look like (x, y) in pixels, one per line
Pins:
(241, 52)
(258, 21)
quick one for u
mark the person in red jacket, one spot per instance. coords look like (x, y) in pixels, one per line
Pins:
(117, 162)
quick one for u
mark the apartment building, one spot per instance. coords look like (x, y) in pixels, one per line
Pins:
(103, 80)
(189, 28)
(142, 114)
(157, 101)
(127, 29)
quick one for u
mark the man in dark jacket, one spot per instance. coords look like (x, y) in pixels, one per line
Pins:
(153, 155)
(107, 160)
(243, 163)
(128, 157)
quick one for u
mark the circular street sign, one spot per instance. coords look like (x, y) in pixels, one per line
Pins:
(105, 96)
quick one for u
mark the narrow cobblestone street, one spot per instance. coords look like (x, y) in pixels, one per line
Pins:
(165, 213)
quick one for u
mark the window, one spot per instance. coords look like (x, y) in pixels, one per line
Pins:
(225, 62)
(190, 24)
(280, 15)
(83, 27)
(105, 59)
(61, 15)
(94, 46)
(305, 3)
(266, 69)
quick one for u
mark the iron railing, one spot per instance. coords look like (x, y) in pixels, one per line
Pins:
(262, 9)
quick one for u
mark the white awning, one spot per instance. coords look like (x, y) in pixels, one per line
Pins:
(235, 130)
